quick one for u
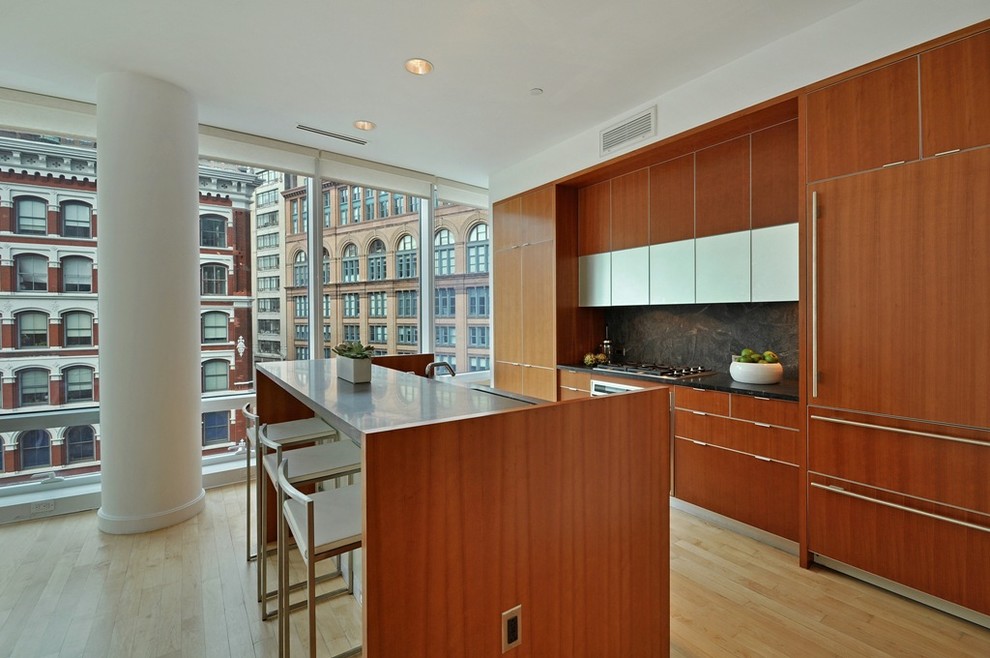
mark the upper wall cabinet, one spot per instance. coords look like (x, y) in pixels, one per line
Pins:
(672, 200)
(774, 183)
(508, 218)
(955, 95)
(864, 122)
(631, 210)
(595, 219)
(722, 188)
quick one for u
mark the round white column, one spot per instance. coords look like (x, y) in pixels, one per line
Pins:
(148, 250)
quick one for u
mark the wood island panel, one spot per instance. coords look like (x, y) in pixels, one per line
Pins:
(631, 210)
(415, 363)
(672, 200)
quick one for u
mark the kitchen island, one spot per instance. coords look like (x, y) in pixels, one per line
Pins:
(475, 503)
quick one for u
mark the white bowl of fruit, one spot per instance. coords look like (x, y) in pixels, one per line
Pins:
(752, 367)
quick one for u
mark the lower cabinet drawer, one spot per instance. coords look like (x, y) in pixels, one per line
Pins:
(745, 436)
(759, 493)
(905, 541)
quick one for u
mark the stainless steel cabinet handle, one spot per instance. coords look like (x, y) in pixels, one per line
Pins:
(897, 430)
(814, 294)
(762, 424)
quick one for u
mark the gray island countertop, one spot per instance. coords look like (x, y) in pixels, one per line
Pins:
(392, 399)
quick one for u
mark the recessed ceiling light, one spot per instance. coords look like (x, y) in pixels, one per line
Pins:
(361, 124)
(418, 66)
(535, 91)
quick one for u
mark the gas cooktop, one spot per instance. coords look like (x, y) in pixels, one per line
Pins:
(656, 370)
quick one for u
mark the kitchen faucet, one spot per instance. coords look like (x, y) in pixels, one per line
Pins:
(438, 364)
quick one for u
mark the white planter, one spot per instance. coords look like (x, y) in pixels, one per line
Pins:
(356, 371)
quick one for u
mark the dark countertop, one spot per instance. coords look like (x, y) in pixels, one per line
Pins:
(785, 390)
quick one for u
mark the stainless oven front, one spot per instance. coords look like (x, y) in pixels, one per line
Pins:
(599, 387)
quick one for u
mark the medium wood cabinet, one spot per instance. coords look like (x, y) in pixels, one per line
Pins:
(672, 200)
(738, 456)
(630, 226)
(722, 188)
(955, 95)
(774, 176)
(594, 225)
(864, 122)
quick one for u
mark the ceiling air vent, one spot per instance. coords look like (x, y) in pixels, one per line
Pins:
(634, 129)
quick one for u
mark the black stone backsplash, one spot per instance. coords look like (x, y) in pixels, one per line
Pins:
(706, 334)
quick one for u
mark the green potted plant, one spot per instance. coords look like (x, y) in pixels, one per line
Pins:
(354, 362)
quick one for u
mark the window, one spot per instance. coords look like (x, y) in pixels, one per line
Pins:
(326, 267)
(268, 283)
(32, 272)
(327, 303)
(415, 203)
(376, 261)
(408, 334)
(300, 270)
(398, 204)
(32, 387)
(302, 331)
(269, 176)
(216, 428)
(350, 265)
(269, 347)
(326, 210)
(36, 449)
(267, 198)
(377, 304)
(407, 303)
(447, 358)
(356, 211)
(383, 204)
(266, 219)
(444, 303)
(32, 329)
(405, 258)
(294, 212)
(352, 305)
(326, 335)
(32, 216)
(78, 384)
(76, 220)
(269, 305)
(477, 336)
(369, 206)
(443, 253)
(80, 442)
(77, 274)
(352, 333)
(77, 329)
(342, 194)
(269, 262)
(212, 231)
(302, 353)
(213, 279)
(477, 302)
(269, 326)
(479, 363)
(301, 304)
(215, 374)
(267, 240)
(478, 249)
(446, 336)
(215, 327)
(378, 333)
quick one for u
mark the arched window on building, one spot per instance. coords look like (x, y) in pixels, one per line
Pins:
(300, 269)
(477, 249)
(36, 449)
(214, 325)
(405, 258)
(350, 265)
(212, 231)
(216, 374)
(77, 384)
(32, 272)
(77, 329)
(213, 279)
(77, 274)
(31, 216)
(326, 266)
(32, 387)
(32, 329)
(80, 444)
(443, 253)
(377, 270)
(77, 220)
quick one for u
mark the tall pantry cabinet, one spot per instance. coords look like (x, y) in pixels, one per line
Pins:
(898, 310)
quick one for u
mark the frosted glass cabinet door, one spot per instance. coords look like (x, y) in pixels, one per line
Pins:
(722, 269)
(594, 280)
(631, 277)
(672, 272)
(775, 263)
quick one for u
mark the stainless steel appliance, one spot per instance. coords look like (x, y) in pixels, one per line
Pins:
(607, 388)
(656, 370)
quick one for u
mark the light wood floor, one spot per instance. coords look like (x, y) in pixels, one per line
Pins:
(68, 590)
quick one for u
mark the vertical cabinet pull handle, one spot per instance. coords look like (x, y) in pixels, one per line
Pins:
(814, 294)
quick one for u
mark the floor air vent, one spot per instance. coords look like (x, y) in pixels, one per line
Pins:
(633, 129)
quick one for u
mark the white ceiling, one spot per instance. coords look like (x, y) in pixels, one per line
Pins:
(262, 67)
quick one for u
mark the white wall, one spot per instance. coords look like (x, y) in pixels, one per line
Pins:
(865, 32)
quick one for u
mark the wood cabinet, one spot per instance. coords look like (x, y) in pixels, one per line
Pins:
(955, 95)
(630, 226)
(672, 200)
(574, 384)
(738, 456)
(722, 188)
(774, 176)
(901, 298)
(595, 219)
(864, 122)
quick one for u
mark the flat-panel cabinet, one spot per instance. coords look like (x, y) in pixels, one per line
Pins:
(594, 225)
(630, 226)
(722, 189)
(630, 277)
(955, 95)
(775, 251)
(672, 272)
(722, 268)
(595, 280)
